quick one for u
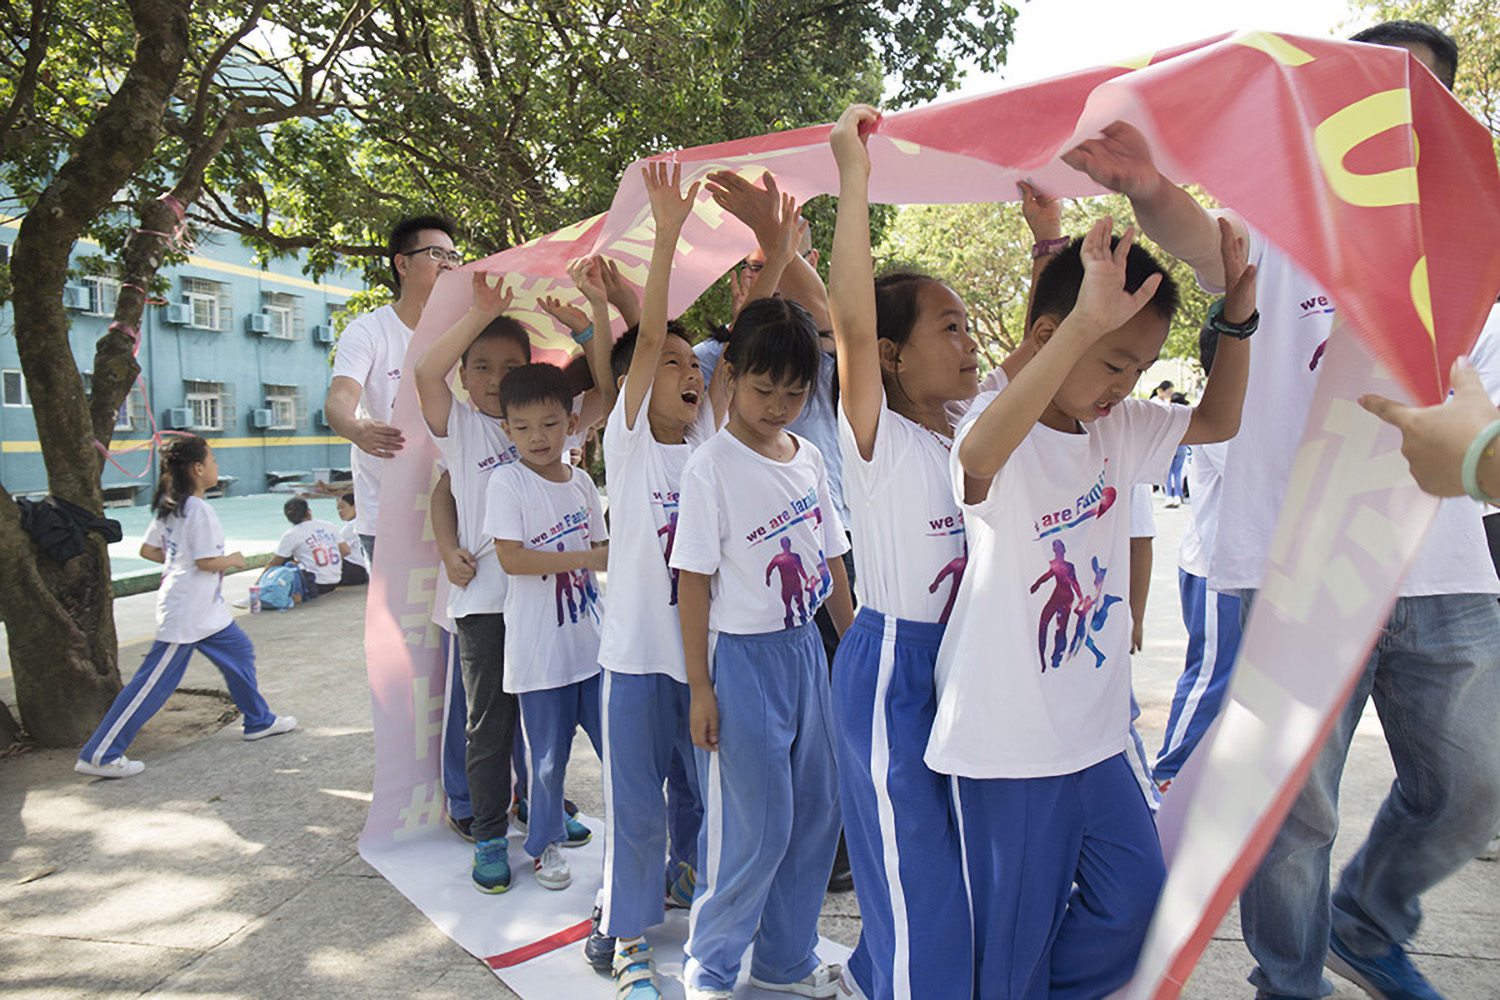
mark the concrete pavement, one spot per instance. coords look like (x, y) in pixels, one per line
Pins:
(229, 869)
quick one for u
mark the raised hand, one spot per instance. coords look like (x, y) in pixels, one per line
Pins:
(490, 294)
(587, 275)
(850, 136)
(1103, 302)
(669, 206)
(1120, 160)
(789, 228)
(754, 206)
(570, 316)
(618, 291)
(1043, 215)
(1239, 277)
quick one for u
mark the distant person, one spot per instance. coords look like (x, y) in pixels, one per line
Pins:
(355, 568)
(367, 363)
(188, 539)
(313, 546)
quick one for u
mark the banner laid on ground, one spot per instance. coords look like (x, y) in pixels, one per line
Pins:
(1316, 143)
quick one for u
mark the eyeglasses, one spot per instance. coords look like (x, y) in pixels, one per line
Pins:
(441, 255)
(755, 266)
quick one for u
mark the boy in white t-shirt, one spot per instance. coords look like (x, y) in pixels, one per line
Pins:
(547, 523)
(354, 567)
(657, 420)
(311, 544)
(1032, 722)
(486, 345)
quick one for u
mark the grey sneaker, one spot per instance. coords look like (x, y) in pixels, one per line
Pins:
(121, 767)
(551, 870)
(280, 724)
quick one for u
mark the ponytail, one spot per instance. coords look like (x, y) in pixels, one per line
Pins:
(174, 473)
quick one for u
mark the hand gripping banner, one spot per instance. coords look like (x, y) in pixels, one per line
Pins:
(1352, 159)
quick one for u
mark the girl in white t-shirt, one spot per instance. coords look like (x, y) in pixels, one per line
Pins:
(756, 549)
(904, 355)
(190, 614)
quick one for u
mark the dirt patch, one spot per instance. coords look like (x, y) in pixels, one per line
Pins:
(189, 715)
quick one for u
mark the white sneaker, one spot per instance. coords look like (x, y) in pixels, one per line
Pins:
(551, 870)
(281, 724)
(703, 993)
(121, 767)
(820, 982)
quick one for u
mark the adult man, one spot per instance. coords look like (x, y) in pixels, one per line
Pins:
(1434, 673)
(367, 367)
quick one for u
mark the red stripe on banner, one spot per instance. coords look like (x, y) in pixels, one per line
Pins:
(552, 942)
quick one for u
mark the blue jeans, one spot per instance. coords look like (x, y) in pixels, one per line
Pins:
(1435, 677)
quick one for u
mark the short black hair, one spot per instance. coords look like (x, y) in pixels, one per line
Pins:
(623, 352)
(535, 383)
(1416, 33)
(296, 510)
(348, 498)
(502, 328)
(1056, 290)
(403, 238)
(776, 337)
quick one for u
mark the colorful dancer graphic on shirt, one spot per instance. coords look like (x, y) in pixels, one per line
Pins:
(565, 586)
(955, 570)
(1058, 605)
(1100, 603)
(670, 530)
(789, 565)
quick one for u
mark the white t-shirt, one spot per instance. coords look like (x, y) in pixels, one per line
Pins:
(475, 447)
(1142, 516)
(641, 632)
(1285, 360)
(764, 530)
(911, 551)
(371, 350)
(1046, 598)
(350, 537)
(551, 622)
(1205, 479)
(190, 603)
(314, 546)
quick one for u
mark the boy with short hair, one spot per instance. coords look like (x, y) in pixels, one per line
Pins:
(1033, 724)
(659, 417)
(548, 528)
(314, 547)
(486, 345)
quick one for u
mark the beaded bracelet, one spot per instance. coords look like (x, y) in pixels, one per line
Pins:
(1481, 447)
(1044, 248)
(585, 335)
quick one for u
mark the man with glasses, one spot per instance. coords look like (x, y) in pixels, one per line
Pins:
(367, 365)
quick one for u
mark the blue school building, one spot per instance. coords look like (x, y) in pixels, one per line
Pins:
(236, 353)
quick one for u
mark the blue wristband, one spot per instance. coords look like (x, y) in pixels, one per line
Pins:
(585, 335)
(1479, 448)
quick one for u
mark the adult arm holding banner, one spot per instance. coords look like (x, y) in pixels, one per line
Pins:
(1436, 439)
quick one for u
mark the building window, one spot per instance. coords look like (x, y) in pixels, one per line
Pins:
(104, 292)
(285, 311)
(287, 405)
(209, 302)
(205, 402)
(14, 388)
(132, 412)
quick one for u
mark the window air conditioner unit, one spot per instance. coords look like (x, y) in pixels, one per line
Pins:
(258, 323)
(77, 295)
(179, 418)
(321, 420)
(262, 417)
(179, 313)
(323, 334)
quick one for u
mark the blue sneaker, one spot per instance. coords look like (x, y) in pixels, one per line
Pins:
(680, 889)
(577, 833)
(1386, 977)
(634, 972)
(492, 865)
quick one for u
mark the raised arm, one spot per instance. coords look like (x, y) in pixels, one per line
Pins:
(491, 298)
(1217, 415)
(584, 271)
(1121, 161)
(670, 208)
(618, 291)
(759, 208)
(1103, 305)
(851, 279)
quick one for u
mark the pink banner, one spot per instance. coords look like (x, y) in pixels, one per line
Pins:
(1315, 142)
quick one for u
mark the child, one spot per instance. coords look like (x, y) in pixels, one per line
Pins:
(548, 525)
(1036, 737)
(190, 614)
(486, 346)
(759, 711)
(905, 354)
(313, 546)
(353, 570)
(657, 421)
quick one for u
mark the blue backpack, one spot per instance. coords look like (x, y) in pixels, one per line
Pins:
(278, 585)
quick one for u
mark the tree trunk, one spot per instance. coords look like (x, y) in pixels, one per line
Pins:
(59, 618)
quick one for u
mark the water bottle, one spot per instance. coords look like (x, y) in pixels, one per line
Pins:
(255, 599)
